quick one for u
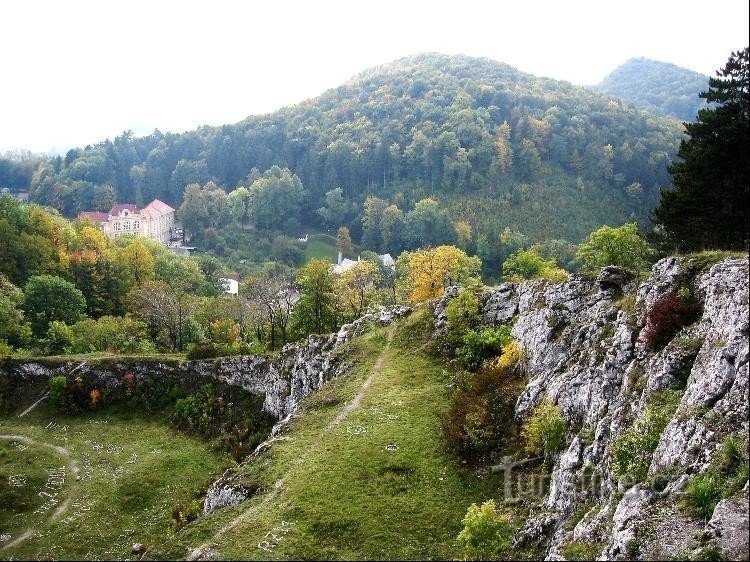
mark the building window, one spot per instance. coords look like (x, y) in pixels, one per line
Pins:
(136, 225)
(116, 226)
(127, 225)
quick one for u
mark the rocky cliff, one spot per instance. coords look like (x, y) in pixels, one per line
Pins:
(283, 379)
(600, 351)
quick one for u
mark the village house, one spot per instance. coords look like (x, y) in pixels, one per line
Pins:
(155, 221)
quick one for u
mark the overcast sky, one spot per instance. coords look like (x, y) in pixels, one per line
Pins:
(76, 72)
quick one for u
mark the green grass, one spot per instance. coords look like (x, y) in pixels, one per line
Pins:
(702, 261)
(321, 246)
(115, 503)
(340, 493)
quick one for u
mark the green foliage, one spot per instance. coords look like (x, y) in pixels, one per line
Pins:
(708, 207)
(544, 430)
(462, 313)
(57, 386)
(580, 551)
(620, 246)
(482, 344)
(725, 477)
(111, 334)
(632, 450)
(182, 514)
(237, 423)
(661, 88)
(315, 312)
(59, 339)
(14, 330)
(486, 533)
(528, 264)
(49, 298)
(480, 418)
(452, 128)
(703, 493)
(702, 261)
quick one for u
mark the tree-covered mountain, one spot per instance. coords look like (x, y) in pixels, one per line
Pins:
(496, 147)
(661, 88)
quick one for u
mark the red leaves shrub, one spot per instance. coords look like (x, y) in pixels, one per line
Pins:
(667, 316)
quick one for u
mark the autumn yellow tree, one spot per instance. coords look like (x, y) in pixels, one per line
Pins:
(427, 272)
(357, 287)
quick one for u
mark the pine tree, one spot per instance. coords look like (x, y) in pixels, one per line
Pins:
(708, 207)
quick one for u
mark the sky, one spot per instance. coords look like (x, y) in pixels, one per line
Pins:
(76, 72)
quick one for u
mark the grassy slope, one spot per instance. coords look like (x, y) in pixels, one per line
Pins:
(115, 503)
(343, 495)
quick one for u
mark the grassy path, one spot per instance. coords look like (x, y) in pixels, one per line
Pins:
(208, 549)
(72, 464)
(360, 473)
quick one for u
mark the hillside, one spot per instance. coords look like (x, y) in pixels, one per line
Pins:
(497, 147)
(661, 88)
(652, 461)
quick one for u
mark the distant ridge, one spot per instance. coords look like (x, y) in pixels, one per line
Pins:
(661, 88)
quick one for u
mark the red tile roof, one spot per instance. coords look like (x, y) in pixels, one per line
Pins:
(94, 216)
(156, 209)
(117, 209)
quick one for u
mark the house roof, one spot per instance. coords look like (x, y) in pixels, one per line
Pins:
(94, 216)
(156, 209)
(117, 209)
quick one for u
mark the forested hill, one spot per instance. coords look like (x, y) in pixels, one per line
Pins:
(661, 88)
(495, 146)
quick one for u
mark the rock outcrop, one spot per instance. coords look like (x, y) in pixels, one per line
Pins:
(587, 351)
(296, 371)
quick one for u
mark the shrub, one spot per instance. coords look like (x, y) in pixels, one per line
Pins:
(667, 316)
(111, 334)
(463, 314)
(632, 450)
(480, 416)
(182, 514)
(57, 386)
(59, 338)
(620, 246)
(528, 264)
(480, 345)
(486, 533)
(544, 431)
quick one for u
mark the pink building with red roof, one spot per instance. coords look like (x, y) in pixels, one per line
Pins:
(154, 221)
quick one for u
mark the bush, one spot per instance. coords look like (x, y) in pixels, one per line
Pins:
(632, 450)
(480, 345)
(544, 431)
(182, 514)
(486, 533)
(463, 314)
(111, 334)
(667, 316)
(57, 386)
(59, 339)
(620, 246)
(480, 416)
(528, 264)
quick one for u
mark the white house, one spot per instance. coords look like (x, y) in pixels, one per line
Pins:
(231, 284)
(345, 263)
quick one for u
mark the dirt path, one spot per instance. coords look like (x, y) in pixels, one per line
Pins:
(34, 405)
(74, 469)
(208, 550)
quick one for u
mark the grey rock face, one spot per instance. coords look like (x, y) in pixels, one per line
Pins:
(729, 527)
(586, 352)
